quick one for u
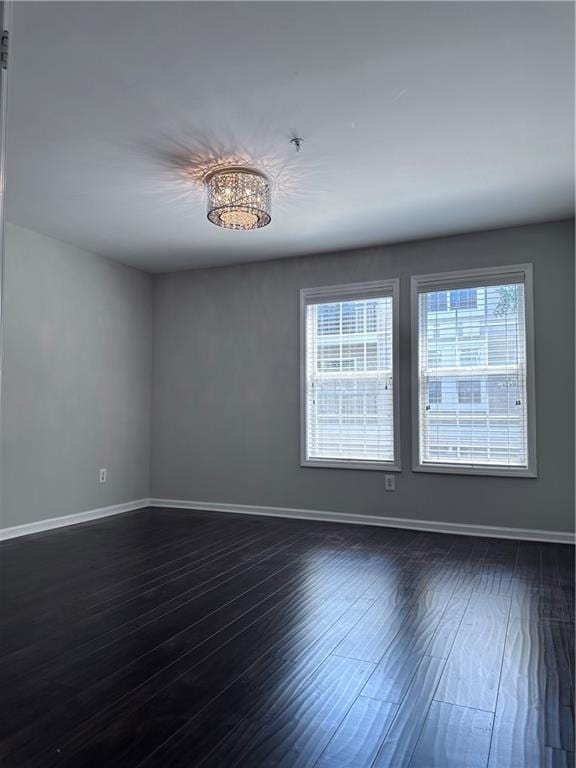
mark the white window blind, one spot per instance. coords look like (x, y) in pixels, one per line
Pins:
(349, 382)
(473, 382)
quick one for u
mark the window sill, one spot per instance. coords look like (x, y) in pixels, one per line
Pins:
(456, 469)
(343, 464)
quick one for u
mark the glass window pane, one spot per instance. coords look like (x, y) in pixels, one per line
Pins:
(472, 376)
(349, 380)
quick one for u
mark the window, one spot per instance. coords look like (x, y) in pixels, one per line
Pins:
(470, 356)
(438, 302)
(469, 391)
(349, 368)
(434, 358)
(464, 298)
(434, 392)
(473, 369)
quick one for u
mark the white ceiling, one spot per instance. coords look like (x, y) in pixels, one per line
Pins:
(419, 119)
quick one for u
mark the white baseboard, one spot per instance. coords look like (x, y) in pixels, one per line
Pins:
(60, 522)
(464, 529)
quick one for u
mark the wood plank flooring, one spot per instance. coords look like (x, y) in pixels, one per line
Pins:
(169, 638)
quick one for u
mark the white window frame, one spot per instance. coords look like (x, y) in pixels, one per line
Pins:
(341, 293)
(419, 283)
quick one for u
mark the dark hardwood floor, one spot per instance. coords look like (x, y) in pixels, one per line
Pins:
(165, 638)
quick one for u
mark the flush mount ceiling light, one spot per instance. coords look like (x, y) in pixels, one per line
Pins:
(238, 198)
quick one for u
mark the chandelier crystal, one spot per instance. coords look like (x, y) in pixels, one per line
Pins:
(238, 198)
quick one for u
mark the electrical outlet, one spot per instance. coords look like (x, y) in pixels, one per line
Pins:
(102, 475)
(389, 483)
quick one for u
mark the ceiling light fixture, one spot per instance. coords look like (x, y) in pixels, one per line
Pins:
(238, 198)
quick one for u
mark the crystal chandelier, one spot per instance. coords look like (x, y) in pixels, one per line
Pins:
(238, 198)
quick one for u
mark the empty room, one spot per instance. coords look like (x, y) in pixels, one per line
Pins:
(287, 465)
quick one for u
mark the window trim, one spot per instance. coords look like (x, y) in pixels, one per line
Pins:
(342, 292)
(478, 276)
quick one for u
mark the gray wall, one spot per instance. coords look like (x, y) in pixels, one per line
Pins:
(226, 385)
(225, 400)
(76, 380)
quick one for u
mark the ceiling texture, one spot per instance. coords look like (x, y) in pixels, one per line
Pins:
(418, 120)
